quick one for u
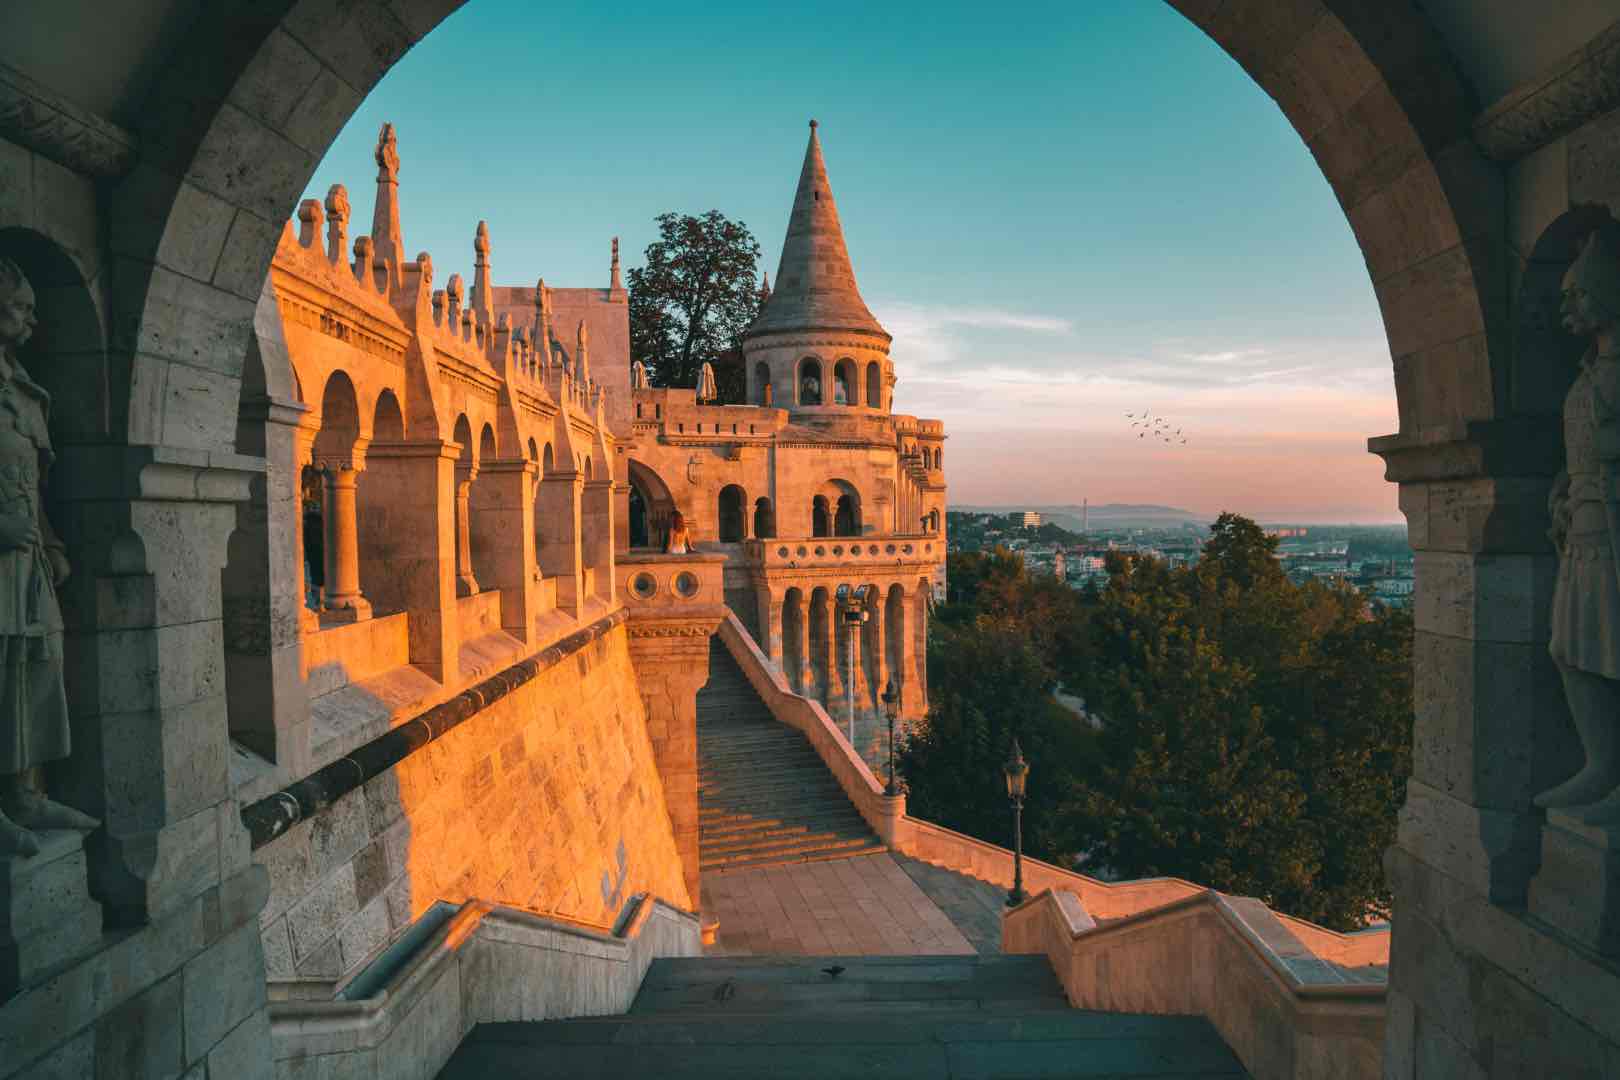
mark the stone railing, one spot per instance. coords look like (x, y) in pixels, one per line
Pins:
(484, 964)
(655, 583)
(873, 550)
(1288, 1012)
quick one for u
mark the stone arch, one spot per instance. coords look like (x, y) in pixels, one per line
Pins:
(793, 642)
(534, 451)
(822, 640)
(764, 519)
(820, 516)
(388, 423)
(762, 383)
(547, 460)
(894, 638)
(658, 504)
(461, 435)
(731, 514)
(486, 444)
(846, 385)
(874, 385)
(340, 420)
(810, 387)
(68, 348)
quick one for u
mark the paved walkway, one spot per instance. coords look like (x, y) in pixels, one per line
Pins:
(871, 905)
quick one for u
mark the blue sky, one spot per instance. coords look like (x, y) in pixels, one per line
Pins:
(1063, 212)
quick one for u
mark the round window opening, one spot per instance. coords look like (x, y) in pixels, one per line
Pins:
(644, 585)
(871, 549)
(889, 550)
(686, 584)
(838, 549)
(782, 551)
(820, 550)
(906, 549)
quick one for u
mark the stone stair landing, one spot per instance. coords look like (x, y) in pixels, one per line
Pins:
(960, 1017)
(765, 798)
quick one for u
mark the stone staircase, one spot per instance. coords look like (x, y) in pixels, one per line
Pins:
(765, 797)
(788, 1017)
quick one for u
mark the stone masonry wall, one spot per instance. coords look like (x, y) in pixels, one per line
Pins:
(549, 800)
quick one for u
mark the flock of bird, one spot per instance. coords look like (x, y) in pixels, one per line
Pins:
(1158, 427)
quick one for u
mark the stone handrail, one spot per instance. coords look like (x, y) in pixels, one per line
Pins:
(878, 548)
(1286, 1011)
(486, 964)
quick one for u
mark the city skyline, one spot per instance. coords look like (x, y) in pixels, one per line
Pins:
(1167, 243)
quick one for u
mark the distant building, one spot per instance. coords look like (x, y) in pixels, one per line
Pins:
(1030, 519)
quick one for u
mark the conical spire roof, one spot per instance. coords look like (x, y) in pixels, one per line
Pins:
(815, 283)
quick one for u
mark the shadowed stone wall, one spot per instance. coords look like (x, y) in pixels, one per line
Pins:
(550, 799)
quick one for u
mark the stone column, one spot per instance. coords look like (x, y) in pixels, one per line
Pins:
(597, 529)
(262, 591)
(557, 520)
(770, 625)
(307, 429)
(501, 507)
(407, 545)
(806, 683)
(466, 583)
(344, 601)
(671, 658)
(835, 654)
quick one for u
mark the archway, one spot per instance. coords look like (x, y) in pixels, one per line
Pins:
(874, 385)
(1368, 85)
(762, 384)
(820, 517)
(730, 516)
(656, 505)
(811, 388)
(846, 387)
(847, 515)
(764, 520)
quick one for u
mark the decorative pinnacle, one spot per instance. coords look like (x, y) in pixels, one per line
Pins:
(481, 240)
(387, 154)
(813, 124)
(615, 283)
(540, 294)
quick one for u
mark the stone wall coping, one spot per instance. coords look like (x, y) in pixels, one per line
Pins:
(274, 814)
(1328, 1019)
(322, 1027)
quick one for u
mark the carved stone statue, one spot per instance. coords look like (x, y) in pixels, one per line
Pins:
(1585, 508)
(638, 376)
(33, 706)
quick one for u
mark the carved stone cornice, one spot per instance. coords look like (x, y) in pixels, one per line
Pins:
(1518, 447)
(49, 124)
(839, 338)
(1579, 88)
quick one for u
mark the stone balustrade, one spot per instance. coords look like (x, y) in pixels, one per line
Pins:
(1287, 1012)
(874, 550)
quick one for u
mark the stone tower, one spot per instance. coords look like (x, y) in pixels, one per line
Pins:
(815, 343)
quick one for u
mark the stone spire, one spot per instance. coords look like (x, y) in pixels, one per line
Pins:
(483, 301)
(764, 288)
(541, 332)
(815, 283)
(388, 241)
(615, 282)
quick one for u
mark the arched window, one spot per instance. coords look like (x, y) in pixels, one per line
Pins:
(809, 381)
(387, 424)
(546, 461)
(847, 518)
(640, 534)
(732, 501)
(845, 389)
(820, 519)
(764, 520)
(762, 384)
(874, 385)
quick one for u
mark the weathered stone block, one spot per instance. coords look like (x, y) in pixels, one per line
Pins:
(364, 933)
(317, 916)
(46, 914)
(1577, 888)
(142, 1037)
(245, 1053)
(223, 987)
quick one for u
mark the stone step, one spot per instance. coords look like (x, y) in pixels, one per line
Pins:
(711, 850)
(850, 823)
(761, 862)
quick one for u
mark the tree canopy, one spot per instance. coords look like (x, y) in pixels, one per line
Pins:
(693, 297)
(1239, 730)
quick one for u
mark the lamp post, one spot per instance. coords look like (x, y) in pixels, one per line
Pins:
(1017, 772)
(891, 709)
(852, 605)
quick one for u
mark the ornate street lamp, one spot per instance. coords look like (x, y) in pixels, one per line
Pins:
(1017, 772)
(852, 605)
(891, 709)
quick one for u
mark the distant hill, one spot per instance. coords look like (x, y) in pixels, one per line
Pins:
(1106, 515)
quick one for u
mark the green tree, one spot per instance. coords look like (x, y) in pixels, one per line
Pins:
(695, 295)
(1256, 734)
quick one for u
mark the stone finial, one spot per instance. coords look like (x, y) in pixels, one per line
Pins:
(438, 307)
(481, 244)
(503, 325)
(362, 259)
(386, 232)
(482, 303)
(813, 124)
(582, 362)
(310, 220)
(337, 223)
(764, 288)
(424, 266)
(387, 155)
(453, 293)
(615, 284)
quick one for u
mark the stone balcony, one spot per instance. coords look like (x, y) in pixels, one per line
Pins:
(844, 551)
